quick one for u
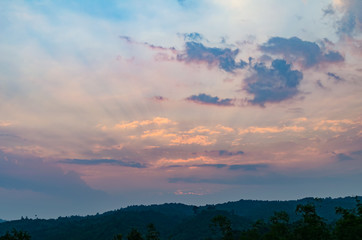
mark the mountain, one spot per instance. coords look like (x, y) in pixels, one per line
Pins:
(173, 221)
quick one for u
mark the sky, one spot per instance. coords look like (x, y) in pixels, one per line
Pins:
(106, 104)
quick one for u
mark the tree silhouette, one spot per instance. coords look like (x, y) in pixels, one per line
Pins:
(312, 226)
(349, 227)
(118, 237)
(152, 233)
(279, 227)
(224, 225)
(16, 235)
(134, 235)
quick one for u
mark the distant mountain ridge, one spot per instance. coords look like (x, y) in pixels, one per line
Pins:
(173, 220)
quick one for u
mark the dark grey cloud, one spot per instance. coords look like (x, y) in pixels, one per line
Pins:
(244, 179)
(227, 153)
(29, 173)
(308, 54)
(232, 167)
(211, 165)
(311, 184)
(91, 162)
(224, 58)
(216, 165)
(357, 153)
(159, 98)
(247, 167)
(320, 84)
(335, 77)
(343, 157)
(203, 98)
(274, 84)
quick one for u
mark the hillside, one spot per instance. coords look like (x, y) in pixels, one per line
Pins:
(177, 221)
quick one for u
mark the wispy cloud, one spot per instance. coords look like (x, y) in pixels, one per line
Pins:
(273, 129)
(94, 162)
(335, 77)
(351, 21)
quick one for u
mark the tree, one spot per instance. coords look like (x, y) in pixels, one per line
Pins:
(312, 226)
(16, 235)
(118, 237)
(279, 227)
(349, 227)
(152, 233)
(254, 233)
(134, 235)
(224, 225)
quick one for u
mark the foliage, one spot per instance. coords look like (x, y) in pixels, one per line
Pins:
(16, 235)
(311, 226)
(223, 224)
(134, 235)
(152, 233)
(349, 227)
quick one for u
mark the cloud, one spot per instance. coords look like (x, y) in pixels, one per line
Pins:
(351, 21)
(247, 167)
(227, 153)
(342, 125)
(203, 98)
(335, 77)
(224, 58)
(135, 124)
(231, 167)
(94, 162)
(343, 157)
(274, 84)
(263, 130)
(188, 140)
(308, 54)
(159, 99)
(329, 10)
(196, 37)
(28, 173)
(129, 40)
(5, 124)
(357, 153)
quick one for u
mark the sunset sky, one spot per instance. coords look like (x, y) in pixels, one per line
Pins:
(106, 104)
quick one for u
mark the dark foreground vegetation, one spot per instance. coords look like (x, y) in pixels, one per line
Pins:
(306, 219)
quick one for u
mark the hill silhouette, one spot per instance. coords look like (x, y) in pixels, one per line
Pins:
(172, 220)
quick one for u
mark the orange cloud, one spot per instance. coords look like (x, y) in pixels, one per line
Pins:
(135, 124)
(179, 192)
(5, 124)
(202, 129)
(164, 162)
(187, 139)
(157, 133)
(334, 125)
(263, 130)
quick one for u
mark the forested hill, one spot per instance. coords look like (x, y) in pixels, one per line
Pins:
(172, 221)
